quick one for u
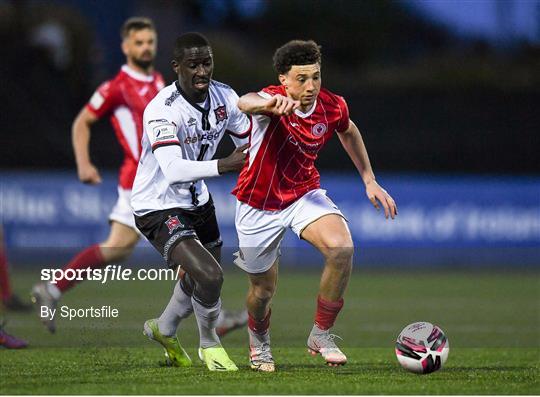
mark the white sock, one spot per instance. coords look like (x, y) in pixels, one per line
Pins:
(221, 318)
(54, 291)
(206, 320)
(178, 308)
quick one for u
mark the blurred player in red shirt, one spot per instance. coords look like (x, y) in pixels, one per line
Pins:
(279, 188)
(123, 99)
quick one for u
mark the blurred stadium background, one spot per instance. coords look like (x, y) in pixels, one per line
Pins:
(446, 94)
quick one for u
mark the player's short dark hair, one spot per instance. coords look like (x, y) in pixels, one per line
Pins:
(188, 40)
(296, 52)
(136, 23)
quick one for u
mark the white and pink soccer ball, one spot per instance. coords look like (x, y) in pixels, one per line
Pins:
(422, 348)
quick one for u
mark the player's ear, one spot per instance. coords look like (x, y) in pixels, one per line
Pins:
(282, 79)
(125, 47)
(175, 66)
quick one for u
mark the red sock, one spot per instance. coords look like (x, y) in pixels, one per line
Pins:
(327, 312)
(259, 327)
(5, 287)
(90, 257)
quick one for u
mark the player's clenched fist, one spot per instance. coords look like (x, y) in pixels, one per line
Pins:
(234, 161)
(88, 174)
(281, 105)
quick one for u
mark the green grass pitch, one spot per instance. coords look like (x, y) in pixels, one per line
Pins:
(492, 321)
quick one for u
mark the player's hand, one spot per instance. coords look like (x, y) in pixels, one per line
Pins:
(88, 174)
(234, 161)
(282, 105)
(378, 196)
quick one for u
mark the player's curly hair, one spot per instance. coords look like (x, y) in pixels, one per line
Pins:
(188, 40)
(296, 52)
(136, 23)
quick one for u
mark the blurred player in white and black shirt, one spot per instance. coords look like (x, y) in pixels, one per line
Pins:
(183, 125)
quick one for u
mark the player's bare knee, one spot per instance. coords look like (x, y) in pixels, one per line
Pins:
(339, 239)
(340, 253)
(263, 292)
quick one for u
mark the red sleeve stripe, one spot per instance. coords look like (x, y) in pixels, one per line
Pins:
(243, 134)
(164, 143)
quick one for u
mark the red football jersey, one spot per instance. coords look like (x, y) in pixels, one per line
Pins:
(124, 98)
(280, 167)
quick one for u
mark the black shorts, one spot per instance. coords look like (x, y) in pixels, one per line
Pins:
(164, 229)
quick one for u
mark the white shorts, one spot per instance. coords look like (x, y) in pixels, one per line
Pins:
(122, 211)
(260, 232)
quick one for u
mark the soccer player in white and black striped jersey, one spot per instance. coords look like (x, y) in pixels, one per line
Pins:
(183, 125)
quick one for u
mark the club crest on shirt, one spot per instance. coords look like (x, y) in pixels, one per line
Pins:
(173, 223)
(221, 113)
(318, 129)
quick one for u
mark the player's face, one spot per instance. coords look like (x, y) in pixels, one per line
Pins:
(195, 71)
(140, 47)
(303, 83)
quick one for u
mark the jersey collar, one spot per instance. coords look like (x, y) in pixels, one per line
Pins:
(204, 112)
(303, 115)
(137, 75)
(192, 103)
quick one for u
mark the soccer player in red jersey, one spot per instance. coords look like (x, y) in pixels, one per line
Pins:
(123, 99)
(279, 188)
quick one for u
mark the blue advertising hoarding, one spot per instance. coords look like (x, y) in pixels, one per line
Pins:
(458, 220)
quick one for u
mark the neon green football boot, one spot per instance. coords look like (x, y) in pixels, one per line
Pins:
(216, 359)
(175, 354)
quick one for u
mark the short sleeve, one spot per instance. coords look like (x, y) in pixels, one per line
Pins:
(343, 122)
(270, 91)
(238, 124)
(160, 126)
(104, 100)
(267, 93)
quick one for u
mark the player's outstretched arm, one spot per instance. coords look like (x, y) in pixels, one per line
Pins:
(352, 141)
(279, 105)
(176, 169)
(80, 137)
